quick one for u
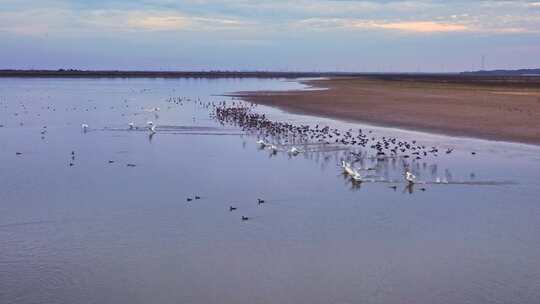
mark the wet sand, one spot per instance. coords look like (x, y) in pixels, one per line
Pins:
(495, 110)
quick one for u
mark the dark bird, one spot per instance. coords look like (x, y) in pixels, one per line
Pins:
(245, 218)
(197, 197)
(189, 199)
(111, 161)
(18, 153)
(231, 208)
(260, 201)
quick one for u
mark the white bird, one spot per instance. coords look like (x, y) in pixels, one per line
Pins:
(349, 170)
(273, 149)
(345, 164)
(152, 128)
(294, 151)
(261, 143)
(410, 177)
(84, 127)
(357, 177)
(156, 109)
(438, 180)
(131, 125)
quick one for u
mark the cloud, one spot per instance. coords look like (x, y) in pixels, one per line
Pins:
(160, 23)
(424, 27)
(405, 26)
(63, 21)
(463, 23)
(167, 22)
(59, 17)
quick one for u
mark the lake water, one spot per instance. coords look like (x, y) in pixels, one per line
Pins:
(100, 231)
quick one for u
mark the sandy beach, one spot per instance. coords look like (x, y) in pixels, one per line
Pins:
(498, 110)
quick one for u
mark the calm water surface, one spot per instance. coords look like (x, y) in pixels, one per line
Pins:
(100, 232)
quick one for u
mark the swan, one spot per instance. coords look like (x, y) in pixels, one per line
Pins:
(357, 177)
(347, 168)
(273, 149)
(294, 151)
(438, 180)
(410, 177)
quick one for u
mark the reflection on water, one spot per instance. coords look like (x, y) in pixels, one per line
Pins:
(121, 214)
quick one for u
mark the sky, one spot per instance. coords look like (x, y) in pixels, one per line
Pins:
(279, 35)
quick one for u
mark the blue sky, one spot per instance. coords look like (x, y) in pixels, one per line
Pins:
(344, 35)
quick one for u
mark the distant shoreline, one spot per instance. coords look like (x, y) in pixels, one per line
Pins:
(497, 111)
(163, 74)
(463, 78)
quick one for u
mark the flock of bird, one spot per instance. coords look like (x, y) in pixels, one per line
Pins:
(290, 138)
(360, 144)
(288, 133)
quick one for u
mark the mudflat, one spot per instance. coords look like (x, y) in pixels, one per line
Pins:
(507, 109)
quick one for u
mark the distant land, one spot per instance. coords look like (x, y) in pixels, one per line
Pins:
(165, 74)
(517, 78)
(521, 72)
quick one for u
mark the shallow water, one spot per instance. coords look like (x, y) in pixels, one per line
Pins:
(100, 232)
